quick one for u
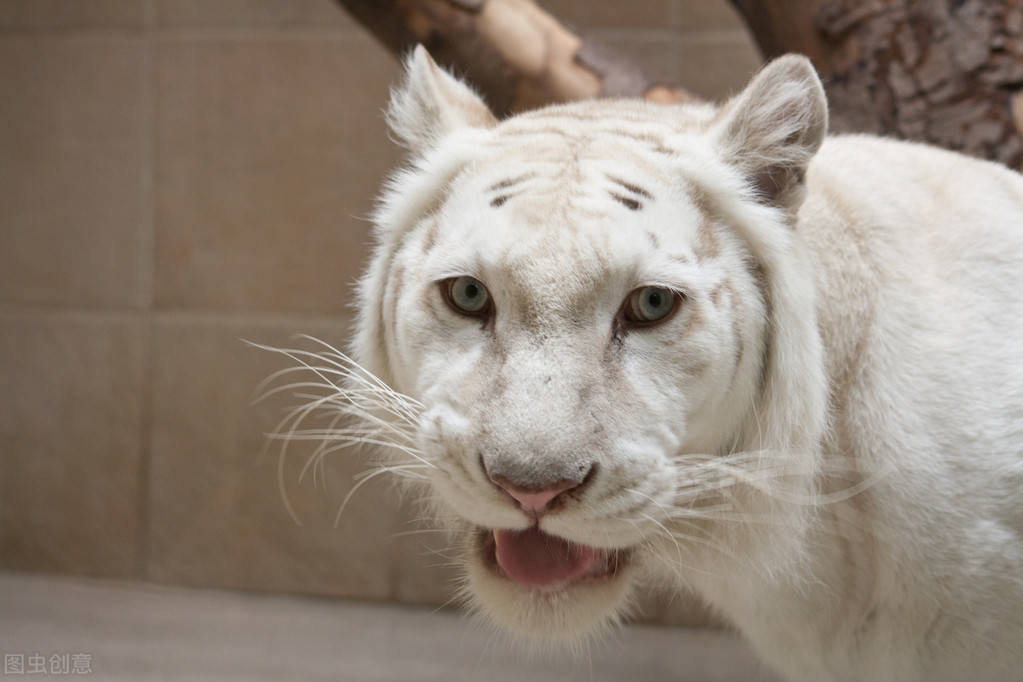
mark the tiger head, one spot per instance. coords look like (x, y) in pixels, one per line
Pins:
(601, 314)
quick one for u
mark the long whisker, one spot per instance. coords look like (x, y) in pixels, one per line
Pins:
(408, 406)
(765, 471)
(355, 488)
(360, 410)
(316, 458)
(397, 469)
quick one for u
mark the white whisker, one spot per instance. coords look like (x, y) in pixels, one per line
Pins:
(337, 388)
(397, 469)
(355, 489)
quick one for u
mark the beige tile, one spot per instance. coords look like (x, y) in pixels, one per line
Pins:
(269, 150)
(703, 15)
(217, 513)
(71, 409)
(588, 14)
(717, 66)
(251, 13)
(72, 181)
(49, 14)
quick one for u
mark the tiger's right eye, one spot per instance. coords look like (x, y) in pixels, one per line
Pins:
(467, 295)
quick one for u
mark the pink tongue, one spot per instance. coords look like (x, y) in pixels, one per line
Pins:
(533, 557)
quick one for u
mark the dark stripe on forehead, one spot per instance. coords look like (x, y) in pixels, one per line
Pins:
(510, 182)
(635, 189)
(627, 202)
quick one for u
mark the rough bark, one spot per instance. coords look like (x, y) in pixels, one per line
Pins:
(949, 72)
(945, 72)
(516, 54)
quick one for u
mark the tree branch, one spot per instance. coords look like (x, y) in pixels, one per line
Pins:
(939, 72)
(946, 73)
(518, 55)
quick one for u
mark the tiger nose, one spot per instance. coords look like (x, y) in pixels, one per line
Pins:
(536, 500)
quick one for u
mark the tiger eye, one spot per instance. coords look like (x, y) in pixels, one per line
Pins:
(467, 295)
(650, 305)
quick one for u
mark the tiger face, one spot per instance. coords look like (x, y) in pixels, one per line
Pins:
(584, 304)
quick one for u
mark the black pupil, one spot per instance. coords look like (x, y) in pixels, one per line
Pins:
(654, 299)
(471, 291)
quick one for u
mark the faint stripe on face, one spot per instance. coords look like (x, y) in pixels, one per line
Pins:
(708, 245)
(430, 238)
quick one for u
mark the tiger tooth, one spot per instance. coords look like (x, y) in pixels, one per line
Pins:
(495, 538)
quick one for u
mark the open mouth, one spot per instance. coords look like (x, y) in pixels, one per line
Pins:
(539, 560)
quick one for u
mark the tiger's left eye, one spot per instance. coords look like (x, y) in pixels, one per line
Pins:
(467, 295)
(650, 305)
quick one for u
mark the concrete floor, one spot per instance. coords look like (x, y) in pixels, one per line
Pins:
(144, 632)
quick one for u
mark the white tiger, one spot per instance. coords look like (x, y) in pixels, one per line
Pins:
(708, 347)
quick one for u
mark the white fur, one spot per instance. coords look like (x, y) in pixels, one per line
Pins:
(849, 491)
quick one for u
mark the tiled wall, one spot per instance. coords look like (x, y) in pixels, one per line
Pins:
(176, 175)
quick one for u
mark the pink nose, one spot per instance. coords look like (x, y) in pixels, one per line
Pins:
(533, 501)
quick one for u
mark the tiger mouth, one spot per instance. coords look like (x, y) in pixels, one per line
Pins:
(543, 562)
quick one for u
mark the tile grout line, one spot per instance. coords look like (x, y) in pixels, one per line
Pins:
(147, 268)
(215, 316)
(147, 227)
(150, 24)
(146, 419)
(673, 14)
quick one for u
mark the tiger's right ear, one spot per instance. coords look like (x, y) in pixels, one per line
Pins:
(430, 103)
(772, 129)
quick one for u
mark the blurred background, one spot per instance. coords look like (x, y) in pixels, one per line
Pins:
(179, 175)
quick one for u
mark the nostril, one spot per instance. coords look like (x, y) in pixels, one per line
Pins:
(536, 500)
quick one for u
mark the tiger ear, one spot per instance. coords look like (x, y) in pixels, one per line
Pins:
(772, 129)
(430, 103)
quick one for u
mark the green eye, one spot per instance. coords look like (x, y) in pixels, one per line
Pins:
(468, 296)
(648, 305)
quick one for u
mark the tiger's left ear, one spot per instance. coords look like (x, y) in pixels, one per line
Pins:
(430, 103)
(772, 129)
